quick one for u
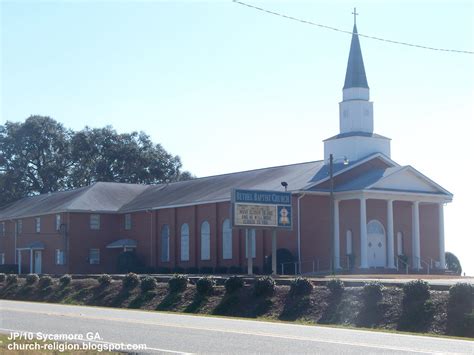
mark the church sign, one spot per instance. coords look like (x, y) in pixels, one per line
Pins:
(261, 209)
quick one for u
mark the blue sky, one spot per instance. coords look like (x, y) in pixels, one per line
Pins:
(229, 88)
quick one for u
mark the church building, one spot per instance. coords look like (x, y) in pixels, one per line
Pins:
(356, 210)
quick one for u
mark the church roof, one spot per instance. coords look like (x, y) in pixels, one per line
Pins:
(355, 73)
(354, 134)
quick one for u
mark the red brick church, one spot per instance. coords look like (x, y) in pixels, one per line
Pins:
(384, 215)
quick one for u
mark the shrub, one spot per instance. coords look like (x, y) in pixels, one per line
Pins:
(192, 270)
(178, 283)
(222, 270)
(460, 304)
(12, 279)
(2, 277)
(336, 286)
(148, 283)
(104, 280)
(417, 309)
(31, 279)
(205, 285)
(206, 270)
(130, 281)
(235, 270)
(301, 286)
(65, 280)
(264, 286)
(416, 291)
(163, 270)
(45, 281)
(233, 284)
(178, 270)
(372, 292)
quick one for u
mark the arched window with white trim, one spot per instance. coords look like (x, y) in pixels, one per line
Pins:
(349, 242)
(251, 234)
(226, 240)
(205, 241)
(400, 243)
(185, 242)
(165, 243)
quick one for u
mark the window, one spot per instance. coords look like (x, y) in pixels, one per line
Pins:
(251, 234)
(19, 224)
(38, 224)
(185, 242)
(95, 221)
(349, 242)
(2, 229)
(226, 240)
(60, 257)
(205, 241)
(94, 256)
(400, 243)
(165, 243)
(58, 222)
(128, 221)
(2, 258)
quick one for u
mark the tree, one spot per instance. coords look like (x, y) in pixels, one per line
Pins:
(453, 263)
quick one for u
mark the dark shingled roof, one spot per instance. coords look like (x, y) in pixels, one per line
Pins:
(355, 74)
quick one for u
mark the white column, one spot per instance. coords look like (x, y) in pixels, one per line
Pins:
(31, 261)
(274, 252)
(249, 252)
(442, 259)
(390, 247)
(416, 234)
(336, 256)
(19, 262)
(363, 233)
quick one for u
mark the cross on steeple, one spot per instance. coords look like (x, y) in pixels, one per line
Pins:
(355, 14)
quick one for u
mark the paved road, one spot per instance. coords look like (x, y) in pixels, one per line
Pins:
(177, 333)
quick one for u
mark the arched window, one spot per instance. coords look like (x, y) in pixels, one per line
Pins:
(251, 234)
(165, 243)
(205, 241)
(185, 242)
(400, 243)
(226, 240)
(349, 242)
(375, 227)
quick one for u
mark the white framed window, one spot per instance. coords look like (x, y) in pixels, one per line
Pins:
(349, 242)
(2, 258)
(400, 243)
(58, 222)
(38, 224)
(185, 242)
(226, 240)
(59, 257)
(19, 225)
(94, 256)
(128, 221)
(205, 241)
(165, 243)
(253, 245)
(2, 229)
(94, 221)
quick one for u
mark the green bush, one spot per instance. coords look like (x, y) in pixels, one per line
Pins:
(336, 286)
(221, 269)
(2, 277)
(178, 270)
(372, 292)
(264, 286)
(31, 279)
(65, 280)
(45, 281)
(460, 305)
(178, 283)
(130, 281)
(417, 308)
(104, 280)
(233, 284)
(148, 283)
(236, 270)
(12, 279)
(301, 286)
(205, 285)
(417, 290)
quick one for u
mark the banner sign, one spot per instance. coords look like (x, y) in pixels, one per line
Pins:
(264, 209)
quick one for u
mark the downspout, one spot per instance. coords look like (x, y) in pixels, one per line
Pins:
(299, 230)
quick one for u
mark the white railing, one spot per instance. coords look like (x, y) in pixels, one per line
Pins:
(403, 264)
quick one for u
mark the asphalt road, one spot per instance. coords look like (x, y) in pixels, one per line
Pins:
(176, 333)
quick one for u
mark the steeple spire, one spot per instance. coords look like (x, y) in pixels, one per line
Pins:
(355, 73)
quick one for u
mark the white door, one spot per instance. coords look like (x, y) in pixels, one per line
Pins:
(37, 261)
(376, 244)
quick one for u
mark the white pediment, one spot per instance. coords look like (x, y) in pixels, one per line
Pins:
(408, 179)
